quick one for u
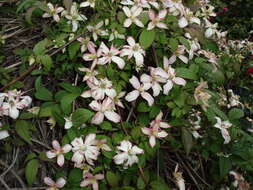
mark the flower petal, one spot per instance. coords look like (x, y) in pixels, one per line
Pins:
(60, 159)
(112, 116)
(98, 118)
(131, 96)
(148, 97)
(60, 182)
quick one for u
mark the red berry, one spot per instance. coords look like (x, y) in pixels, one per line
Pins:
(250, 71)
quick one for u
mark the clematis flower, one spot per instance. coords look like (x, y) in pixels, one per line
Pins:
(90, 179)
(223, 126)
(85, 42)
(74, 17)
(104, 109)
(97, 31)
(102, 144)
(86, 150)
(110, 55)
(60, 183)
(133, 49)
(116, 99)
(90, 74)
(88, 3)
(188, 17)
(53, 12)
(93, 55)
(141, 3)
(201, 96)
(178, 176)
(154, 131)
(126, 154)
(58, 152)
(140, 89)
(116, 35)
(179, 54)
(84, 167)
(156, 19)
(99, 88)
(172, 79)
(132, 15)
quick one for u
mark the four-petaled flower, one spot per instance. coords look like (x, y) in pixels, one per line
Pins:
(90, 179)
(132, 15)
(223, 126)
(156, 19)
(97, 31)
(53, 12)
(93, 55)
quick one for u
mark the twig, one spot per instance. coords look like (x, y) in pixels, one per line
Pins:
(5, 185)
(40, 143)
(155, 56)
(32, 188)
(12, 164)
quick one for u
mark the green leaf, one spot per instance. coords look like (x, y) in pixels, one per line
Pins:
(235, 113)
(38, 83)
(66, 102)
(159, 185)
(73, 49)
(75, 176)
(46, 61)
(186, 73)
(225, 166)
(80, 116)
(31, 171)
(187, 140)
(106, 125)
(28, 15)
(44, 94)
(143, 107)
(140, 183)
(185, 42)
(146, 38)
(112, 179)
(22, 128)
(40, 47)
(173, 43)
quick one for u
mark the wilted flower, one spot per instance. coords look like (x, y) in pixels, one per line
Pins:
(126, 154)
(223, 126)
(102, 144)
(140, 89)
(104, 109)
(201, 96)
(155, 131)
(54, 185)
(53, 12)
(58, 152)
(179, 179)
(86, 150)
(90, 179)
(132, 15)
(156, 19)
(239, 182)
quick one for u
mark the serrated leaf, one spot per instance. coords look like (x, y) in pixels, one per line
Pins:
(146, 38)
(31, 171)
(112, 179)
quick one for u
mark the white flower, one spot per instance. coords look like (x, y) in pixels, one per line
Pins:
(126, 154)
(223, 126)
(187, 18)
(155, 131)
(116, 99)
(97, 31)
(93, 55)
(90, 74)
(116, 35)
(88, 3)
(54, 185)
(102, 144)
(110, 55)
(53, 12)
(140, 89)
(156, 19)
(58, 152)
(85, 42)
(179, 54)
(133, 49)
(3, 133)
(86, 150)
(90, 179)
(104, 109)
(68, 122)
(132, 15)
(74, 17)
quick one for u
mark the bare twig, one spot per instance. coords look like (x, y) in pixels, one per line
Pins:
(5, 185)
(12, 164)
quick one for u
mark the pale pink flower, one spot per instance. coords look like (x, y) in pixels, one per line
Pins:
(133, 49)
(99, 88)
(104, 109)
(132, 15)
(86, 150)
(58, 152)
(97, 30)
(140, 89)
(126, 154)
(90, 179)
(179, 54)
(117, 97)
(110, 55)
(54, 185)
(85, 42)
(90, 74)
(93, 55)
(156, 19)
(154, 131)
(53, 12)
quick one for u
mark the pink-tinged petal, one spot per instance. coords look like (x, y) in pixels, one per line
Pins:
(78, 158)
(162, 134)
(179, 81)
(127, 22)
(60, 160)
(183, 58)
(56, 145)
(95, 105)
(166, 62)
(138, 22)
(172, 59)
(112, 116)
(95, 186)
(159, 116)
(98, 118)
(137, 150)
(164, 125)
(225, 135)
(152, 141)
(104, 48)
(111, 93)
(108, 103)
(103, 60)
(182, 22)
(162, 14)
(50, 6)
(195, 20)
(56, 18)
(4, 134)
(66, 148)
(98, 94)
(137, 11)
(87, 57)
(60, 182)
(59, 9)
(13, 112)
(167, 87)
(119, 61)
(150, 26)
(127, 11)
(49, 181)
(156, 89)
(146, 131)
(89, 139)
(161, 25)
(131, 41)
(125, 146)
(85, 183)
(91, 48)
(151, 14)
(51, 154)
(77, 142)
(138, 58)
(146, 78)
(46, 15)
(148, 97)
(131, 96)
(135, 82)
(120, 158)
